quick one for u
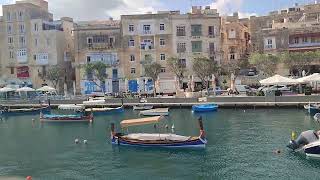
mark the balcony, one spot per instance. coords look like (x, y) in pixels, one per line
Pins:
(269, 47)
(145, 47)
(304, 45)
(147, 32)
(101, 46)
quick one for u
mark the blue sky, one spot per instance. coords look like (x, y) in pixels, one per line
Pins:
(102, 9)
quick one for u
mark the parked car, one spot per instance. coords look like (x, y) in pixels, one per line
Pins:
(245, 89)
(280, 88)
(218, 91)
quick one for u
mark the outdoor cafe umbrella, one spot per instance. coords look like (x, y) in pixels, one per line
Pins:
(46, 89)
(25, 89)
(278, 80)
(6, 90)
(311, 78)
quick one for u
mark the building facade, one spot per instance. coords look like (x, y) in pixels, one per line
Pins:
(146, 38)
(97, 41)
(33, 43)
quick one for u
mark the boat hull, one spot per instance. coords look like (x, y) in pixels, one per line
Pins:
(142, 107)
(17, 112)
(109, 111)
(204, 108)
(59, 119)
(196, 143)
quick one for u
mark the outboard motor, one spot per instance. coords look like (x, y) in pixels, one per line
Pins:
(304, 138)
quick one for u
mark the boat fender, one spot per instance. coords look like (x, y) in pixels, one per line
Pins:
(76, 141)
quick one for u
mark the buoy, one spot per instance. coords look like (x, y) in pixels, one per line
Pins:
(76, 141)
(28, 178)
(244, 110)
(85, 141)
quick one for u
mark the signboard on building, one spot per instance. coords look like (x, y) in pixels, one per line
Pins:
(23, 72)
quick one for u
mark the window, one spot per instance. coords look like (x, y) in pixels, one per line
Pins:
(232, 56)
(183, 63)
(161, 27)
(9, 29)
(131, 28)
(232, 33)
(163, 70)
(181, 31)
(181, 47)
(88, 59)
(10, 40)
(211, 48)
(211, 30)
(20, 15)
(162, 42)
(22, 52)
(35, 42)
(11, 70)
(8, 16)
(89, 40)
(313, 39)
(162, 57)
(21, 28)
(146, 29)
(296, 40)
(100, 39)
(34, 57)
(131, 43)
(196, 30)
(11, 55)
(35, 27)
(304, 39)
(22, 40)
(269, 41)
(132, 58)
(133, 70)
(196, 46)
(48, 42)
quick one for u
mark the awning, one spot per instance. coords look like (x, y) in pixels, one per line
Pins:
(311, 78)
(140, 121)
(46, 89)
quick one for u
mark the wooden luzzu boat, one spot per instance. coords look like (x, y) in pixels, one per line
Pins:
(156, 140)
(79, 115)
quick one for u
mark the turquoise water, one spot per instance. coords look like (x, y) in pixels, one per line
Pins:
(241, 145)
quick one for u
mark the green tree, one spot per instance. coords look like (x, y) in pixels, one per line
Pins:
(152, 70)
(265, 62)
(203, 69)
(54, 75)
(177, 68)
(97, 72)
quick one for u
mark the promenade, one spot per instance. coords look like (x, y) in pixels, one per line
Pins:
(292, 101)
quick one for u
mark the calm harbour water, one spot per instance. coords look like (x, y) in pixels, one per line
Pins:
(240, 146)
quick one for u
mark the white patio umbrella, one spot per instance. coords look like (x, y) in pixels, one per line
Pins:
(6, 90)
(25, 89)
(46, 89)
(278, 80)
(311, 78)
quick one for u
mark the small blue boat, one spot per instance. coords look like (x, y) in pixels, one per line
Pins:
(204, 107)
(105, 110)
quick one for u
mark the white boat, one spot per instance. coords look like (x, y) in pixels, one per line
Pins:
(142, 107)
(156, 112)
(94, 102)
(307, 143)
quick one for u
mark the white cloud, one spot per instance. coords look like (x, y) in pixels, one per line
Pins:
(227, 6)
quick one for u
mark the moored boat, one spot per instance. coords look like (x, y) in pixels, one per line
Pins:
(142, 107)
(24, 111)
(307, 143)
(79, 115)
(156, 140)
(155, 112)
(204, 107)
(317, 117)
(312, 108)
(105, 110)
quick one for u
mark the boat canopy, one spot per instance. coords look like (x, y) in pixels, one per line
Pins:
(70, 107)
(140, 121)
